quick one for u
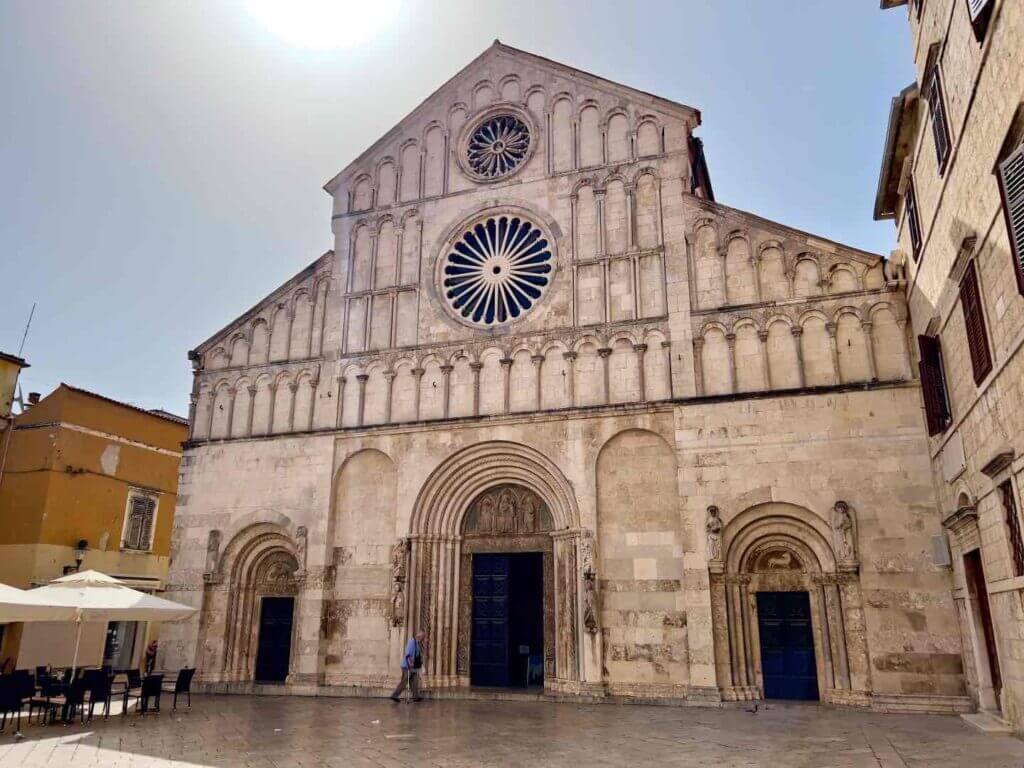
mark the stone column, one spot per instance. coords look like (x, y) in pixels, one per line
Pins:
(631, 216)
(797, 332)
(837, 634)
(730, 339)
(869, 342)
(476, 367)
(506, 373)
(231, 410)
(538, 362)
(837, 376)
(293, 387)
(570, 358)
(698, 365)
(418, 375)
(755, 267)
(748, 651)
(248, 416)
(306, 666)
(763, 336)
(573, 235)
(820, 601)
(604, 353)
(389, 377)
(341, 399)
(313, 384)
(908, 369)
(446, 371)
(273, 406)
(361, 378)
(667, 346)
(641, 353)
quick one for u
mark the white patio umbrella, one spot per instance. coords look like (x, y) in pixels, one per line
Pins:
(94, 596)
(23, 605)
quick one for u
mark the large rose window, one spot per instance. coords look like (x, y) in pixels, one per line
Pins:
(496, 270)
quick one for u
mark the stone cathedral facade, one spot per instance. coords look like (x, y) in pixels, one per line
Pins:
(588, 428)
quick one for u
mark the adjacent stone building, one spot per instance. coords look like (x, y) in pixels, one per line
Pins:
(551, 403)
(953, 181)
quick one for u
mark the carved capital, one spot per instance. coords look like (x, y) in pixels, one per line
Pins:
(506, 361)
(362, 377)
(447, 369)
(641, 348)
(252, 391)
(536, 359)
(762, 335)
(570, 356)
(477, 367)
(604, 351)
(831, 328)
(293, 386)
(797, 331)
(418, 372)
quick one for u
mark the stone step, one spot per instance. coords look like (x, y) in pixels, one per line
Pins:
(988, 722)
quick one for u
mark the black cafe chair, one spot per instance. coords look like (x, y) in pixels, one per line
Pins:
(98, 684)
(182, 685)
(130, 686)
(11, 699)
(148, 691)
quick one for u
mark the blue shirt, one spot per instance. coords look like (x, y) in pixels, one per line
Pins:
(412, 649)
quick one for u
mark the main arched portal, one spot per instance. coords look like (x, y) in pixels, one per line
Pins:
(493, 517)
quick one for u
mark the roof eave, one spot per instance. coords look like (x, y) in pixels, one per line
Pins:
(885, 205)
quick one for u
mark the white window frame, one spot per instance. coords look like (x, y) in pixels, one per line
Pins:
(134, 493)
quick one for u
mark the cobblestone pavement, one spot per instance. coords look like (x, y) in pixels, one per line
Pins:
(274, 732)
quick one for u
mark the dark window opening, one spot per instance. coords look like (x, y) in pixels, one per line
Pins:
(980, 12)
(933, 384)
(974, 322)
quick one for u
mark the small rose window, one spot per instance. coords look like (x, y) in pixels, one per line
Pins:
(498, 146)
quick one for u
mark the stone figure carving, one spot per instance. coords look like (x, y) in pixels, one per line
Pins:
(529, 515)
(843, 532)
(713, 526)
(398, 605)
(301, 541)
(506, 518)
(589, 604)
(485, 517)
(508, 510)
(398, 566)
(212, 551)
(783, 560)
(587, 556)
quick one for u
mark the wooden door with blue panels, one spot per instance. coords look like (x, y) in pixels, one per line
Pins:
(787, 646)
(489, 647)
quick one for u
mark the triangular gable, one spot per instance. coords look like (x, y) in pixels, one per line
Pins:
(500, 49)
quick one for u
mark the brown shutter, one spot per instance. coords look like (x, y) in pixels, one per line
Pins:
(974, 321)
(933, 384)
(1011, 185)
(1013, 525)
(940, 126)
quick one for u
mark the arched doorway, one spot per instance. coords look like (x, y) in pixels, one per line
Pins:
(478, 502)
(787, 612)
(248, 605)
(506, 593)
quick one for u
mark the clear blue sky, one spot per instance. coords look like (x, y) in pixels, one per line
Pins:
(162, 162)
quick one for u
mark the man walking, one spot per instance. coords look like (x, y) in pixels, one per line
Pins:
(412, 662)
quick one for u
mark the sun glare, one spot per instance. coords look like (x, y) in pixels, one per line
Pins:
(324, 24)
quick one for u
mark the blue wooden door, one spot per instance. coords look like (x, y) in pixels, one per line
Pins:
(787, 645)
(489, 647)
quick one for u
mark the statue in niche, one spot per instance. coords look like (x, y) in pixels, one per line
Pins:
(506, 517)
(843, 532)
(398, 561)
(301, 536)
(713, 526)
(398, 605)
(212, 551)
(589, 604)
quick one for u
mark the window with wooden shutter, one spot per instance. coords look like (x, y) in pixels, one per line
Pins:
(979, 11)
(1013, 526)
(940, 125)
(974, 321)
(933, 384)
(138, 528)
(1011, 185)
(913, 222)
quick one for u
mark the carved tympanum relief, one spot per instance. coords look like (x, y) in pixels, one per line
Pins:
(508, 509)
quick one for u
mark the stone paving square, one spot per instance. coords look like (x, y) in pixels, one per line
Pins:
(280, 732)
